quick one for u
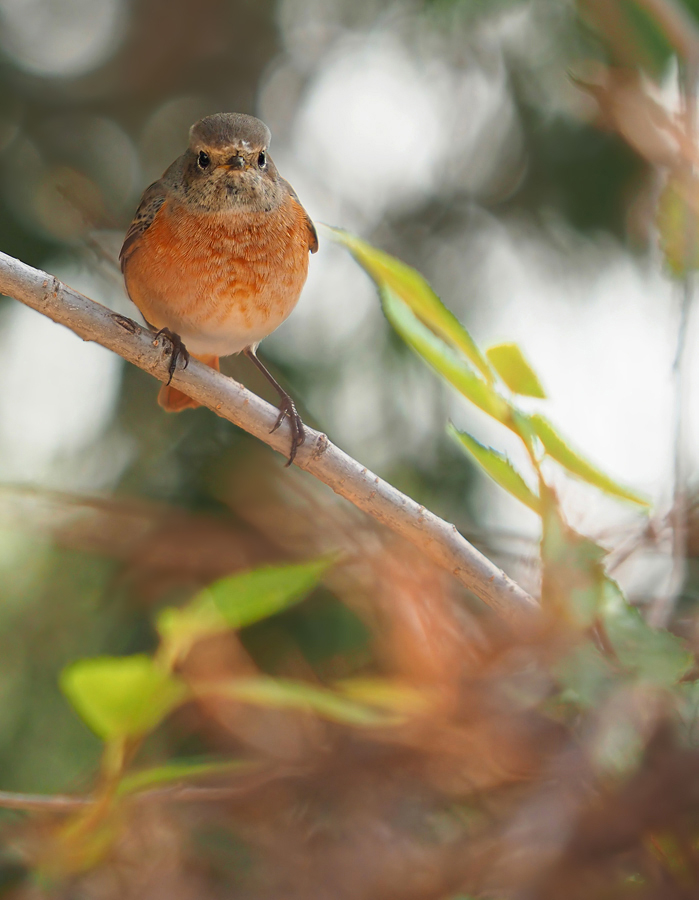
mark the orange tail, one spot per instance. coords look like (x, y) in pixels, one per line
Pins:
(173, 400)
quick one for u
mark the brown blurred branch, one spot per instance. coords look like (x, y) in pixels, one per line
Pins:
(439, 540)
(42, 802)
(176, 793)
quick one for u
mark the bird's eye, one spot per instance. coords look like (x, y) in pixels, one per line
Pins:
(203, 160)
(262, 160)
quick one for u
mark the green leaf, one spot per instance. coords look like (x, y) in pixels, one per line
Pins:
(123, 696)
(177, 771)
(584, 675)
(249, 597)
(572, 575)
(650, 654)
(510, 364)
(557, 449)
(644, 653)
(498, 467)
(442, 359)
(283, 693)
(237, 601)
(410, 286)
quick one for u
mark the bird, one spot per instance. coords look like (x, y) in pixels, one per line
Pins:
(217, 253)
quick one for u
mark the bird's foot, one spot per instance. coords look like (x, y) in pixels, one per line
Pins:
(287, 410)
(176, 350)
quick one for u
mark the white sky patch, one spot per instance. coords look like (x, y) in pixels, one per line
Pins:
(61, 37)
(485, 144)
(372, 124)
(384, 128)
(57, 393)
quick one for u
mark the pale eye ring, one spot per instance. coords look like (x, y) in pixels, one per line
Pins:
(262, 159)
(203, 160)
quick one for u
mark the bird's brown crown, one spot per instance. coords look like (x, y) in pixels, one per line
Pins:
(229, 131)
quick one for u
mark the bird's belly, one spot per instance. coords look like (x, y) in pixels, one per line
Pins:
(220, 289)
(220, 319)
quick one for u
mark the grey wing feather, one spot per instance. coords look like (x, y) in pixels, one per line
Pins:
(153, 198)
(312, 233)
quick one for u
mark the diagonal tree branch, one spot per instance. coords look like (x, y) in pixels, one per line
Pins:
(439, 540)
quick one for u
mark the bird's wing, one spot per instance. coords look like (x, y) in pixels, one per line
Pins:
(151, 202)
(312, 233)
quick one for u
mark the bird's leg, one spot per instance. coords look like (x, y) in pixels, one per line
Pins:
(287, 409)
(177, 350)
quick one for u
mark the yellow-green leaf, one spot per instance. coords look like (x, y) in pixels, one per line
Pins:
(237, 601)
(498, 467)
(558, 449)
(410, 286)
(283, 693)
(121, 696)
(442, 358)
(511, 365)
(249, 597)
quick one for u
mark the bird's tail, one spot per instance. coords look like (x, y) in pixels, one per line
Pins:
(173, 400)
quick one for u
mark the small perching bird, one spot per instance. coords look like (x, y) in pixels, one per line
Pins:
(217, 254)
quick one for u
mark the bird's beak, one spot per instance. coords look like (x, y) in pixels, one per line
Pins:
(235, 163)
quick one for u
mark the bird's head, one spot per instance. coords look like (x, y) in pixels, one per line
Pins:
(227, 164)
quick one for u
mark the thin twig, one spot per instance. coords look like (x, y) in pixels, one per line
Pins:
(661, 610)
(42, 802)
(179, 792)
(439, 540)
(65, 803)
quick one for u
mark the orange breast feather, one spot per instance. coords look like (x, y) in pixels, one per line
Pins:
(222, 281)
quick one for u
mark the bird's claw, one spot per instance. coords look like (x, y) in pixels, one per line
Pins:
(177, 350)
(287, 410)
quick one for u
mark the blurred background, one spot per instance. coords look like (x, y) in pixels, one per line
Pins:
(452, 133)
